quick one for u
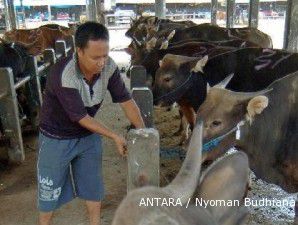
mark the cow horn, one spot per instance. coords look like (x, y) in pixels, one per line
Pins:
(164, 45)
(243, 96)
(138, 43)
(151, 44)
(171, 35)
(3, 41)
(224, 82)
(186, 181)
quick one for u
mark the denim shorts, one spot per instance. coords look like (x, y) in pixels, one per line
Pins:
(68, 168)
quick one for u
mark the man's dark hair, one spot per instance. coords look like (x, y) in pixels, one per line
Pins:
(90, 31)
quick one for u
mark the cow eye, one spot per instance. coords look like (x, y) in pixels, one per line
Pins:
(216, 123)
(167, 79)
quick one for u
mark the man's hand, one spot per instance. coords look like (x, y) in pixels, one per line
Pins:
(121, 145)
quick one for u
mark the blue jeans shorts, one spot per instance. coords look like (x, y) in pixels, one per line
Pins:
(68, 168)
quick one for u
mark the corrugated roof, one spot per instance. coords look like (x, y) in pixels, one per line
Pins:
(186, 1)
(83, 2)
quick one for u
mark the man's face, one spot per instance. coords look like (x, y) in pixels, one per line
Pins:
(94, 56)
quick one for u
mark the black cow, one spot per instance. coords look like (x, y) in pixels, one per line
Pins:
(209, 32)
(150, 60)
(15, 56)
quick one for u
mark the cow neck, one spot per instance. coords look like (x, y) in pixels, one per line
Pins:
(197, 91)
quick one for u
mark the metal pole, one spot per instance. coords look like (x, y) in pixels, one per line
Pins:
(9, 114)
(213, 11)
(230, 13)
(10, 15)
(291, 28)
(254, 13)
(50, 13)
(160, 9)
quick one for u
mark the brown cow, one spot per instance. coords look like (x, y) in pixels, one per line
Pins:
(269, 137)
(43, 37)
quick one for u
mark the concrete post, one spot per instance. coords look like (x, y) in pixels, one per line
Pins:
(144, 99)
(160, 9)
(137, 77)
(213, 11)
(254, 13)
(291, 28)
(10, 15)
(91, 10)
(230, 13)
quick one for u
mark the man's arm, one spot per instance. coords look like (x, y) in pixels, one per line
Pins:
(96, 127)
(133, 113)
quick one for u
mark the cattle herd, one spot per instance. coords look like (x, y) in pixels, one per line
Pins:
(222, 76)
(226, 77)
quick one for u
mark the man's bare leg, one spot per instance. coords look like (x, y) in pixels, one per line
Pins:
(93, 209)
(45, 218)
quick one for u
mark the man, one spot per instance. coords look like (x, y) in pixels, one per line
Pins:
(75, 89)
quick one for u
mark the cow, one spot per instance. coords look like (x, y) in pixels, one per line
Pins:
(16, 56)
(182, 78)
(43, 37)
(150, 60)
(209, 32)
(146, 26)
(66, 30)
(233, 171)
(270, 132)
(141, 55)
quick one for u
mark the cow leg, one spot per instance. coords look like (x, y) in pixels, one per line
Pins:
(296, 213)
(183, 123)
(190, 116)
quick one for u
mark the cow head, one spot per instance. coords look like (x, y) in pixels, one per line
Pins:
(223, 109)
(175, 76)
(140, 28)
(225, 180)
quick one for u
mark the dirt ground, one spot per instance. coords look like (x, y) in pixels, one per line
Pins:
(18, 182)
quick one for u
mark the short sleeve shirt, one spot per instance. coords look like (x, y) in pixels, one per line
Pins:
(69, 97)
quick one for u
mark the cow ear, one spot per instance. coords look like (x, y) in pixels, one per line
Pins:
(200, 64)
(129, 51)
(152, 20)
(151, 44)
(256, 106)
(160, 63)
(164, 45)
(171, 35)
(208, 87)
